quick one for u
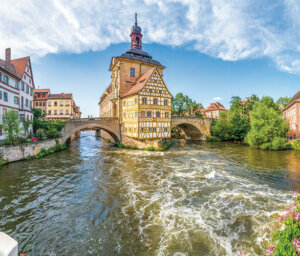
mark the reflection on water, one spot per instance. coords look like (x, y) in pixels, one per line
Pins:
(195, 199)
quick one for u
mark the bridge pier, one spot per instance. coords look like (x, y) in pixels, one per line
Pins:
(98, 133)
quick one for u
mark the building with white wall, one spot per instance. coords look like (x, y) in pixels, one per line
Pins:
(16, 87)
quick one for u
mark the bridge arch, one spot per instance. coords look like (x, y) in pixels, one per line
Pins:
(195, 128)
(110, 125)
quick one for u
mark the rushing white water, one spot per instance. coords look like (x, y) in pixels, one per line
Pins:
(196, 205)
(195, 199)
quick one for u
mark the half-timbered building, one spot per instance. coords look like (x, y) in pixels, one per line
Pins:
(138, 95)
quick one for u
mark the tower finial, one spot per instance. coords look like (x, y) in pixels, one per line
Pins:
(136, 19)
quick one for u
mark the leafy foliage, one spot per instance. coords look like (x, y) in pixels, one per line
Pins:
(288, 238)
(56, 148)
(221, 128)
(11, 127)
(40, 134)
(282, 102)
(182, 104)
(51, 129)
(213, 139)
(296, 144)
(26, 125)
(268, 129)
(257, 122)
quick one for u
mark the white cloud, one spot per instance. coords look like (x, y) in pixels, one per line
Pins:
(226, 29)
(216, 98)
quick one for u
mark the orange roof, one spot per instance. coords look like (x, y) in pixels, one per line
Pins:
(61, 96)
(20, 65)
(41, 90)
(215, 106)
(139, 83)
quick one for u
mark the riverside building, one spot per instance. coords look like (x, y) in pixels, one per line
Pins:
(16, 87)
(291, 113)
(56, 106)
(138, 95)
(214, 110)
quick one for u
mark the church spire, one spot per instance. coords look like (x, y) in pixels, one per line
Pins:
(136, 35)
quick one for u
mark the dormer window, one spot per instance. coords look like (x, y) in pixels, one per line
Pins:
(132, 72)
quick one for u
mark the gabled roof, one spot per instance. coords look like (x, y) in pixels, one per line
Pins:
(215, 106)
(296, 97)
(11, 69)
(20, 65)
(139, 83)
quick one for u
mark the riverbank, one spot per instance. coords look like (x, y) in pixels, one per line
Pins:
(13, 153)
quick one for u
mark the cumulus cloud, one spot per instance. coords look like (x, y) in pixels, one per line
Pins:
(226, 29)
(216, 98)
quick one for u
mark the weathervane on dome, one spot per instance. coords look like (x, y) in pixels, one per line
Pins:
(136, 19)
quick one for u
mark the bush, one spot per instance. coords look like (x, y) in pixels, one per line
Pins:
(40, 134)
(213, 139)
(288, 238)
(165, 145)
(268, 129)
(296, 144)
(11, 127)
(56, 148)
(120, 145)
(221, 128)
(52, 133)
(149, 149)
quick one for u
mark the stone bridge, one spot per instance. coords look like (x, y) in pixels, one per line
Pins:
(195, 128)
(109, 124)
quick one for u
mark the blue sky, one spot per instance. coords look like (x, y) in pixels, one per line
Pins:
(212, 49)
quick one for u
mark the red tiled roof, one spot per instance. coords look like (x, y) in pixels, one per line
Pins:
(20, 65)
(41, 90)
(139, 83)
(61, 96)
(12, 69)
(214, 106)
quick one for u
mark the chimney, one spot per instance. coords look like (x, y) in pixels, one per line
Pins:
(7, 58)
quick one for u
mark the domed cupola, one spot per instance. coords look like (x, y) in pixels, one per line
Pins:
(136, 35)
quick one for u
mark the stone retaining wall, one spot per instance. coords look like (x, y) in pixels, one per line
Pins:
(20, 152)
(142, 144)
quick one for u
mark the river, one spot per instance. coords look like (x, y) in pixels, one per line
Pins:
(197, 198)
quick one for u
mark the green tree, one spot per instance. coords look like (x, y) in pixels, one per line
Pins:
(235, 103)
(182, 104)
(239, 117)
(11, 126)
(282, 102)
(221, 128)
(269, 102)
(239, 125)
(26, 125)
(268, 129)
